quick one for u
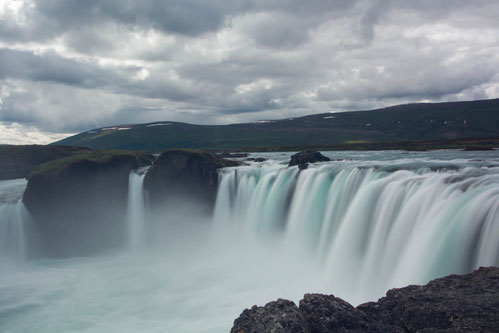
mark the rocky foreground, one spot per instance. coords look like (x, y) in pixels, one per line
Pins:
(456, 303)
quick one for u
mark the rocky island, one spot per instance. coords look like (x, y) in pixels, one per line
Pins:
(80, 200)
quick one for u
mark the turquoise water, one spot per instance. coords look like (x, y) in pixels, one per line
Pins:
(354, 227)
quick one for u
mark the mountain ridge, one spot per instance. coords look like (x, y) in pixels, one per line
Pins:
(398, 123)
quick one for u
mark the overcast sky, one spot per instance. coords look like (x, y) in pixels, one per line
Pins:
(71, 65)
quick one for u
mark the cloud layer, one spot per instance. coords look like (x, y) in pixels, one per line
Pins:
(70, 65)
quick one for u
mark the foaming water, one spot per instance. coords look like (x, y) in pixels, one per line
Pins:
(370, 225)
(354, 228)
(136, 214)
(188, 284)
(14, 219)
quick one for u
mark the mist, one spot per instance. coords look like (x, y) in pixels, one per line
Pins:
(354, 228)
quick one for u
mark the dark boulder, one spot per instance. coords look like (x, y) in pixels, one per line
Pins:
(303, 166)
(302, 159)
(79, 203)
(326, 313)
(456, 303)
(182, 173)
(281, 316)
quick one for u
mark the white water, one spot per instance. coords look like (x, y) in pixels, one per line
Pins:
(351, 228)
(13, 221)
(136, 214)
(368, 228)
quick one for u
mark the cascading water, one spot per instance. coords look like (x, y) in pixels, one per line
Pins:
(352, 228)
(13, 221)
(136, 213)
(371, 227)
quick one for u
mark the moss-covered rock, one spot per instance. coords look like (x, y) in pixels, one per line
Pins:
(79, 203)
(185, 173)
(20, 161)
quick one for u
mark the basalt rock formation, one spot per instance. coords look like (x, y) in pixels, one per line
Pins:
(302, 159)
(281, 316)
(79, 203)
(456, 303)
(326, 313)
(183, 173)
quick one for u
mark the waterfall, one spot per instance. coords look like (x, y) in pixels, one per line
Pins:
(370, 227)
(351, 228)
(14, 220)
(136, 213)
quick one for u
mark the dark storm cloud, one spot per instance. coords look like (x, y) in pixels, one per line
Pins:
(51, 67)
(51, 18)
(54, 68)
(68, 65)
(372, 17)
(189, 17)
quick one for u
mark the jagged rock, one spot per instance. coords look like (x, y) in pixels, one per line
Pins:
(456, 303)
(303, 166)
(327, 314)
(302, 159)
(79, 203)
(281, 316)
(182, 173)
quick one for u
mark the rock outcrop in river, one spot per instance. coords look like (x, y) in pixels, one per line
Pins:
(302, 159)
(456, 303)
(183, 173)
(79, 203)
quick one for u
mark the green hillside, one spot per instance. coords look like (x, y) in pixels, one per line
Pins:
(410, 122)
(19, 161)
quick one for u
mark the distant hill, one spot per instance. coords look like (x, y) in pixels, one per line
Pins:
(19, 161)
(409, 122)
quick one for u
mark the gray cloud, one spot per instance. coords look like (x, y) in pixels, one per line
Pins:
(372, 16)
(50, 67)
(45, 19)
(70, 65)
(53, 68)
(189, 17)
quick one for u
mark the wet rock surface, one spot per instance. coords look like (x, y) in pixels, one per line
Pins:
(302, 159)
(281, 316)
(326, 313)
(456, 303)
(81, 200)
(181, 173)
